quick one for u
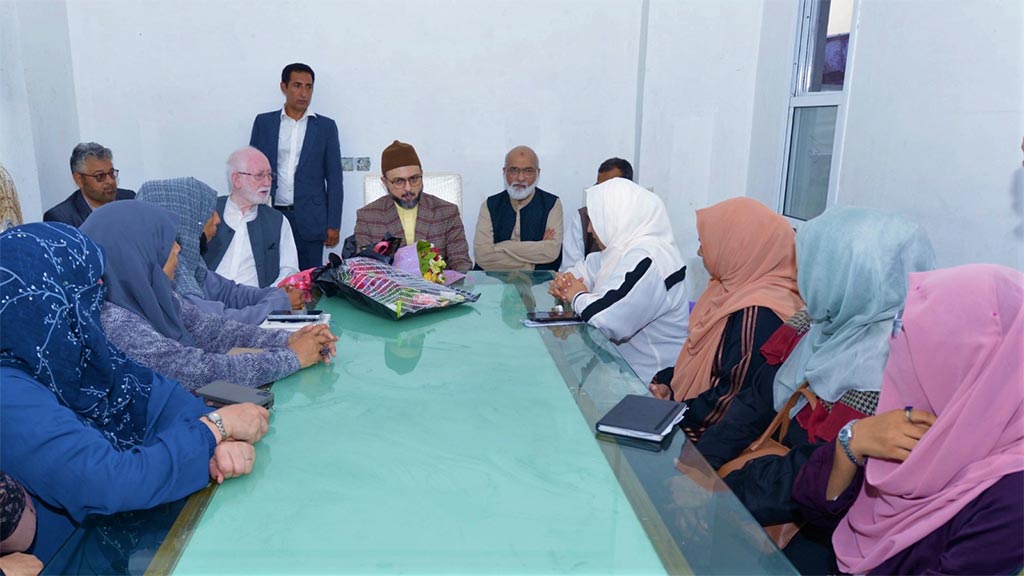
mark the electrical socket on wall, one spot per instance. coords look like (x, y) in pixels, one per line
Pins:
(363, 163)
(347, 164)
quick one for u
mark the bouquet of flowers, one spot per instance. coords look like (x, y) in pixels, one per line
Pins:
(387, 290)
(432, 265)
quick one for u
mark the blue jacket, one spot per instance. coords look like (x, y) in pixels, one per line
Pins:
(319, 190)
(71, 470)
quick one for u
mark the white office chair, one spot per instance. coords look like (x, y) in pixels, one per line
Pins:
(444, 185)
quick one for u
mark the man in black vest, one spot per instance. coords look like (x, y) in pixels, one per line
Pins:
(92, 167)
(253, 244)
(521, 227)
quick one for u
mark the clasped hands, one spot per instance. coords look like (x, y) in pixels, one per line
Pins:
(244, 424)
(313, 344)
(566, 286)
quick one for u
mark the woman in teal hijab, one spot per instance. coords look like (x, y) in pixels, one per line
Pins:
(852, 268)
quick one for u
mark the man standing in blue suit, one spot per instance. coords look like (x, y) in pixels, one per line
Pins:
(305, 157)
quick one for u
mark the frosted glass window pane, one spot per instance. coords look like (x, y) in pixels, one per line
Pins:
(810, 161)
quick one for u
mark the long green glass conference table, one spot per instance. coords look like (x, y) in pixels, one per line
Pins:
(457, 442)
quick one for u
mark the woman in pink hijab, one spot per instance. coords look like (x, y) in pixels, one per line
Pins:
(934, 483)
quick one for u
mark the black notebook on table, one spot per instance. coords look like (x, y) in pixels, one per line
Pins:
(643, 417)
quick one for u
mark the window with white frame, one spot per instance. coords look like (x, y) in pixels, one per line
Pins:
(816, 108)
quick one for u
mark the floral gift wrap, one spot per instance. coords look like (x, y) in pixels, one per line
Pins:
(387, 290)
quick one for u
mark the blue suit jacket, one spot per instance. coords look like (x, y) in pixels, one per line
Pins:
(319, 190)
(74, 209)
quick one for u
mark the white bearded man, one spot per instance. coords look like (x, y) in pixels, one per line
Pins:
(253, 244)
(521, 227)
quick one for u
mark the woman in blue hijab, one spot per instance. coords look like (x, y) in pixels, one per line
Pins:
(144, 317)
(84, 429)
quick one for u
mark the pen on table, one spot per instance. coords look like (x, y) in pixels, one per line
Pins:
(897, 323)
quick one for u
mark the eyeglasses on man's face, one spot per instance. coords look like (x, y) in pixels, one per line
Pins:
(258, 176)
(101, 177)
(411, 180)
(528, 172)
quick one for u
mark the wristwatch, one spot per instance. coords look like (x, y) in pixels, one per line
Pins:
(844, 437)
(219, 423)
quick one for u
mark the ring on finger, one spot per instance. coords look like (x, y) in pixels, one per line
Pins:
(906, 412)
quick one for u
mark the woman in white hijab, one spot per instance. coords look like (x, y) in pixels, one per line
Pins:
(633, 289)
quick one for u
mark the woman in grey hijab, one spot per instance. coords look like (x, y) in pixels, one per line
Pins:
(194, 203)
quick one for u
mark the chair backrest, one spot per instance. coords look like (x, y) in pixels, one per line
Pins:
(444, 185)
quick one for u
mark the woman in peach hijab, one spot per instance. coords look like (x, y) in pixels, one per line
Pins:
(749, 251)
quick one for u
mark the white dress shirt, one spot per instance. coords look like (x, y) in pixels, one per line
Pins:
(238, 263)
(573, 249)
(289, 146)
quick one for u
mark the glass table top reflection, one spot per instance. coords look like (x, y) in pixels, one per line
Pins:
(453, 442)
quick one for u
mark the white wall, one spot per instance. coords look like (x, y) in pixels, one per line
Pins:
(698, 108)
(935, 107)
(173, 87)
(934, 120)
(42, 93)
(17, 153)
(936, 115)
(779, 27)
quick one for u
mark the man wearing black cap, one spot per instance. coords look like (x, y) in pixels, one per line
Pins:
(411, 214)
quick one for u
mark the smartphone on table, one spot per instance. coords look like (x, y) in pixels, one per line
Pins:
(221, 393)
(549, 316)
(296, 316)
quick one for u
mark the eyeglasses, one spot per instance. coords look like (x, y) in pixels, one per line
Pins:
(259, 177)
(412, 180)
(101, 177)
(528, 172)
